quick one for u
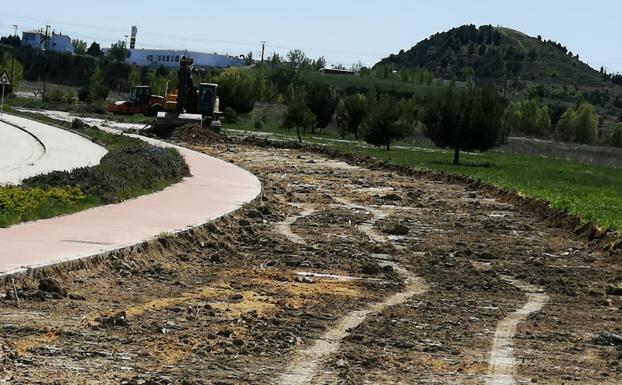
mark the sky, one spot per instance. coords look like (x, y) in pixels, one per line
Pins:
(344, 32)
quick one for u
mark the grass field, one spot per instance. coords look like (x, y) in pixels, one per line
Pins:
(593, 192)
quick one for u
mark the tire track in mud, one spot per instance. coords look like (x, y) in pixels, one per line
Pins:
(285, 227)
(306, 368)
(502, 363)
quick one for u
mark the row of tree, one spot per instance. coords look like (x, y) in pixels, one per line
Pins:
(576, 124)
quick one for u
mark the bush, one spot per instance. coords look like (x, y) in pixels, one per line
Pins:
(578, 125)
(83, 94)
(616, 136)
(527, 117)
(55, 95)
(322, 101)
(381, 125)
(236, 90)
(230, 115)
(123, 173)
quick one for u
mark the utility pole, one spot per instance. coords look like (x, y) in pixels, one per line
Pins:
(13, 61)
(45, 74)
(263, 50)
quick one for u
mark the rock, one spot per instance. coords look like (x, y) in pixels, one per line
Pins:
(607, 338)
(486, 256)
(292, 260)
(395, 229)
(370, 268)
(244, 223)
(472, 195)
(236, 297)
(614, 289)
(50, 285)
(304, 279)
(392, 197)
(117, 319)
(253, 214)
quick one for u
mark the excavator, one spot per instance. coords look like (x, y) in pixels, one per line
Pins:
(193, 102)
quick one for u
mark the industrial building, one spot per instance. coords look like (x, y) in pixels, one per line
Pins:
(52, 41)
(169, 58)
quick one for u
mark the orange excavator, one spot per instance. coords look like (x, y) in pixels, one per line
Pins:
(141, 101)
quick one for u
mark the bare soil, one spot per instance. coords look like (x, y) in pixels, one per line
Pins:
(420, 277)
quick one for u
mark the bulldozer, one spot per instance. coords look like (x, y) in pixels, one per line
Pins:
(141, 101)
(193, 102)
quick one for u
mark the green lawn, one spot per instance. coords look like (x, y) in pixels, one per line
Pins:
(593, 192)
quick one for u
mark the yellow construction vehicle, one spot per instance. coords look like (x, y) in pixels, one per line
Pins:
(192, 102)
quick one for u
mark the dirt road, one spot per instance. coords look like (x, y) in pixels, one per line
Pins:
(337, 275)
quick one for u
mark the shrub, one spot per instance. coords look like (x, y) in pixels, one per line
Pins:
(236, 90)
(616, 136)
(230, 115)
(579, 125)
(123, 173)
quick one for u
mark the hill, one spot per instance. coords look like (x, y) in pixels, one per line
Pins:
(527, 66)
(490, 53)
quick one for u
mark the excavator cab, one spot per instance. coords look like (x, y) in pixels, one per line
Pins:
(208, 99)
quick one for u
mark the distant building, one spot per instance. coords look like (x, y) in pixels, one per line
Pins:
(169, 58)
(56, 42)
(336, 71)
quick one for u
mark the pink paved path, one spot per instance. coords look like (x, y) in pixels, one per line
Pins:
(215, 189)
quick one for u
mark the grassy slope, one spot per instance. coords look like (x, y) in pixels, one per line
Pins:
(368, 83)
(593, 192)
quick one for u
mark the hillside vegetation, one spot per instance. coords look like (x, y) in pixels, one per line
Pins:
(524, 67)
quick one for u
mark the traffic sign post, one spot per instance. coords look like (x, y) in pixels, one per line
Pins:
(4, 82)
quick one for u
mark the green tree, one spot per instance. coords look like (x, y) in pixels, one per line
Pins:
(381, 124)
(97, 89)
(319, 63)
(322, 101)
(236, 90)
(616, 135)
(118, 51)
(297, 60)
(350, 114)
(79, 46)
(299, 116)
(94, 50)
(527, 117)
(468, 119)
(566, 125)
(578, 125)
(133, 79)
(157, 83)
(12, 67)
(586, 125)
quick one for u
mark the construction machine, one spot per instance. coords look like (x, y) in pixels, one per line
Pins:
(141, 101)
(193, 102)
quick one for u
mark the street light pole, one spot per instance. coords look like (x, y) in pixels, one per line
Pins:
(13, 61)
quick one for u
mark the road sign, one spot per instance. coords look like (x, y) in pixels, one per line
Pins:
(5, 80)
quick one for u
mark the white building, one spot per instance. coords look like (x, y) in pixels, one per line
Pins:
(169, 58)
(57, 42)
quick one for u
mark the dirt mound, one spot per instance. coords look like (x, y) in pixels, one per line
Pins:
(196, 134)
